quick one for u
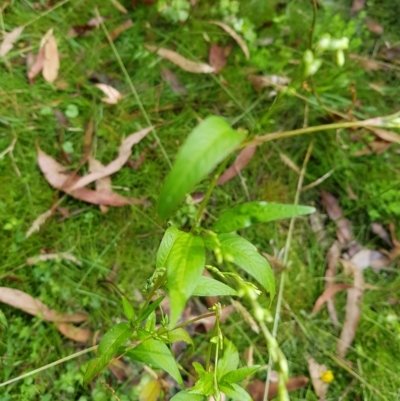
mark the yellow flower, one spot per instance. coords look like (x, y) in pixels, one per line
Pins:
(327, 377)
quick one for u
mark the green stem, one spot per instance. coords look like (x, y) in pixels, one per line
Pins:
(314, 21)
(158, 284)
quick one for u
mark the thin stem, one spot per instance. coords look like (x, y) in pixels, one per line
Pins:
(160, 281)
(285, 260)
(314, 21)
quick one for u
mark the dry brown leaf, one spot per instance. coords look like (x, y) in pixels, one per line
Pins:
(241, 161)
(234, 36)
(37, 66)
(357, 6)
(274, 261)
(124, 152)
(121, 28)
(120, 370)
(95, 22)
(53, 256)
(373, 26)
(9, 40)
(265, 81)
(51, 61)
(103, 184)
(218, 56)
(87, 143)
(22, 300)
(388, 136)
(180, 61)
(57, 176)
(113, 96)
(353, 309)
(176, 86)
(257, 387)
(379, 230)
(331, 204)
(332, 259)
(150, 391)
(368, 258)
(289, 163)
(38, 222)
(74, 333)
(61, 118)
(328, 294)
(316, 371)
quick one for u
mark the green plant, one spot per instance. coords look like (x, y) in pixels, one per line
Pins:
(181, 260)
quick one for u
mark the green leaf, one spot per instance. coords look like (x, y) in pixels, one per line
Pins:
(229, 360)
(239, 374)
(185, 265)
(244, 254)
(167, 242)
(208, 287)
(206, 146)
(235, 392)
(150, 323)
(128, 310)
(185, 396)
(204, 385)
(156, 353)
(247, 214)
(150, 309)
(179, 334)
(109, 344)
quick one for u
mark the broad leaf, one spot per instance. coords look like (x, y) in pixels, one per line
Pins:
(167, 242)
(179, 335)
(235, 392)
(185, 396)
(206, 146)
(239, 374)
(185, 265)
(247, 214)
(244, 254)
(128, 310)
(109, 344)
(229, 360)
(150, 309)
(208, 287)
(204, 384)
(156, 353)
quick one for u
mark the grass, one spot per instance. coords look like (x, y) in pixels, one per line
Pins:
(125, 239)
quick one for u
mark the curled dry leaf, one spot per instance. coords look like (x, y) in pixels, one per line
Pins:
(180, 61)
(57, 176)
(25, 302)
(36, 66)
(316, 372)
(121, 28)
(218, 56)
(328, 294)
(38, 222)
(365, 258)
(74, 333)
(113, 96)
(380, 231)
(234, 36)
(257, 387)
(353, 309)
(241, 161)
(332, 259)
(102, 184)
(51, 61)
(53, 256)
(9, 40)
(124, 152)
(387, 136)
(176, 86)
(87, 143)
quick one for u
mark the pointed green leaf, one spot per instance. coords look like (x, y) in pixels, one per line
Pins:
(229, 360)
(185, 396)
(235, 392)
(185, 265)
(206, 146)
(204, 385)
(168, 240)
(156, 353)
(247, 214)
(208, 287)
(150, 309)
(244, 254)
(109, 344)
(179, 334)
(239, 374)
(128, 310)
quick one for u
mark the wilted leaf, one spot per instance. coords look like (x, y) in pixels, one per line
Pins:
(388, 136)
(53, 256)
(113, 96)
(218, 56)
(316, 372)
(121, 28)
(182, 62)
(257, 387)
(241, 161)
(9, 40)
(173, 81)
(328, 294)
(357, 6)
(368, 258)
(87, 143)
(353, 310)
(51, 61)
(25, 302)
(73, 333)
(331, 204)
(373, 26)
(57, 176)
(332, 259)
(37, 66)
(380, 231)
(38, 222)
(102, 184)
(150, 391)
(234, 36)
(264, 81)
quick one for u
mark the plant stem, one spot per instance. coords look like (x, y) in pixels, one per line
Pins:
(314, 21)
(160, 281)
